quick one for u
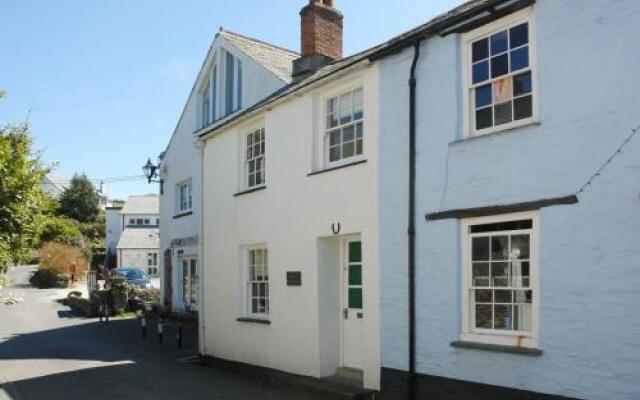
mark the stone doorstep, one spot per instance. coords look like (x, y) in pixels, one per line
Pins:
(320, 387)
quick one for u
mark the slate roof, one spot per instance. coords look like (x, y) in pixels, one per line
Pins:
(447, 20)
(59, 182)
(144, 204)
(139, 238)
(275, 59)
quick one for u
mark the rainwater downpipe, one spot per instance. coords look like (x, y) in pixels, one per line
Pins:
(411, 231)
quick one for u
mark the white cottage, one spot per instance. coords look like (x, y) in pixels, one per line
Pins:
(290, 278)
(237, 72)
(138, 246)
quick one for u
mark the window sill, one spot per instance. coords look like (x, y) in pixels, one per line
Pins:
(322, 171)
(497, 132)
(253, 320)
(525, 351)
(252, 190)
(183, 214)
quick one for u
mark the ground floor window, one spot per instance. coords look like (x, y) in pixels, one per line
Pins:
(257, 282)
(190, 281)
(152, 264)
(500, 273)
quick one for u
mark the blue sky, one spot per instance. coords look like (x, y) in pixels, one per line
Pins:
(106, 80)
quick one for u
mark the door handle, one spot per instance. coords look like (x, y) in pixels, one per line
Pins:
(345, 313)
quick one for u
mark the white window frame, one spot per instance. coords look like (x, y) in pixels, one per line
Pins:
(152, 264)
(186, 205)
(326, 130)
(468, 100)
(205, 105)
(501, 337)
(233, 83)
(245, 185)
(247, 282)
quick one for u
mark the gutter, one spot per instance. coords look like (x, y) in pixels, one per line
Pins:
(411, 231)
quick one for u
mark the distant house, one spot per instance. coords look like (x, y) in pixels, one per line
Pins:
(55, 186)
(139, 243)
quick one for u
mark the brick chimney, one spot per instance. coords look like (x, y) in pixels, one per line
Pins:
(321, 36)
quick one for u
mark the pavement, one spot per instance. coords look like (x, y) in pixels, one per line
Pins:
(47, 352)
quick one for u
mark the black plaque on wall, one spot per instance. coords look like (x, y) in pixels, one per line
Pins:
(294, 278)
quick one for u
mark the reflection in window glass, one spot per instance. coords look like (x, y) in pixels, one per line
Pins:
(498, 95)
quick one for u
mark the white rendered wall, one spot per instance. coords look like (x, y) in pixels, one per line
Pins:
(181, 163)
(293, 217)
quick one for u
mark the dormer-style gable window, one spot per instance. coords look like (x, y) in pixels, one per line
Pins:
(217, 103)
(205, 111)
(233, 83)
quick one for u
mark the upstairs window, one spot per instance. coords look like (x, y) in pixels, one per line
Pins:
(184, 197)
(500, 74)
(344, 126)
(255, 159)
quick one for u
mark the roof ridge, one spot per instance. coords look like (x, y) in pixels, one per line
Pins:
(274, 46)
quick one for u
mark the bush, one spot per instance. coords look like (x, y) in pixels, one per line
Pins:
(94, 230)
(44, 278)
(98, 259)
(59, 257)
(56, 260)
(61, 230)
(5, 257)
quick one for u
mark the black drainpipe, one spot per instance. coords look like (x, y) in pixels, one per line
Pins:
(412, 213)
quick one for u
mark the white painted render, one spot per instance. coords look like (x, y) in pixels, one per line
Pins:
(134, 258)
(179, 235)
(114, 228)
(293, 217)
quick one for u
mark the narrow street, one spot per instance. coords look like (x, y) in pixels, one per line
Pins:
(48, 353)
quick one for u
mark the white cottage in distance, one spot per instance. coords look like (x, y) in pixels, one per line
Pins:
(237, 72)
(138, 245)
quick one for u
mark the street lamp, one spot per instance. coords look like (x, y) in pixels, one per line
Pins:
(150, 171)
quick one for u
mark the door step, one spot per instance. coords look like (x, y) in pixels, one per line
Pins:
(348, 376)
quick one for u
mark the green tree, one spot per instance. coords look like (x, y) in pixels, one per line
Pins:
(23, 204)
(80, 200)
(61, 230)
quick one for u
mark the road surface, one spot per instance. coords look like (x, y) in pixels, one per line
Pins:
(46, 352)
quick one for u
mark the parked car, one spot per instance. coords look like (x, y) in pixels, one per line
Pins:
(135, 277)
